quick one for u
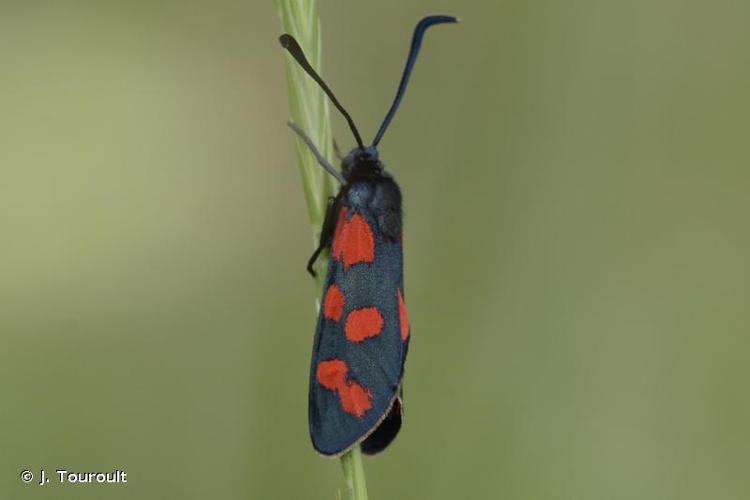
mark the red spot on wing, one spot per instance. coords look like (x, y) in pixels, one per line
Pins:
(332, 373)
(353, 241)
(359, 244)
(363, 323)
(403, 316)
(333, 304)
(355, 399)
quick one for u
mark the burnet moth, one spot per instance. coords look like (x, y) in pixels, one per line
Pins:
(362, 335)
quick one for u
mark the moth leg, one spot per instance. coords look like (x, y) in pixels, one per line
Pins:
(318, 156)
(326, 233)
(337, 151)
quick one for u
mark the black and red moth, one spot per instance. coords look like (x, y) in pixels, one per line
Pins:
(362, 336)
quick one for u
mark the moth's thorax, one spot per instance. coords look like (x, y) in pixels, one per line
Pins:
(359, 194)
(377, 194)
(362, 163)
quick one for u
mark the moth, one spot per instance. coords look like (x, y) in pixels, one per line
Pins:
(362, 334)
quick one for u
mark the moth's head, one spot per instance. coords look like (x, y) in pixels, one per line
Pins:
(361, 162)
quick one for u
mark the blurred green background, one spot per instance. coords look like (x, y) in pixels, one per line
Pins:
(576, 191)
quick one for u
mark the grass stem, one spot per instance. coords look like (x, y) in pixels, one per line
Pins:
(309, 110)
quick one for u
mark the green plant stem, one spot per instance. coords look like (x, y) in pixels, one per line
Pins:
(309, 110)
(354, 473)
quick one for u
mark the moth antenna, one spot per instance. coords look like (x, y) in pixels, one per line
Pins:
(416, 43)
(290, 44)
